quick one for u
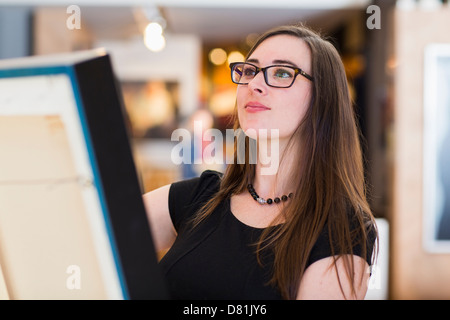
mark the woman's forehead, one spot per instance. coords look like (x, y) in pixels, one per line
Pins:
(282, 48)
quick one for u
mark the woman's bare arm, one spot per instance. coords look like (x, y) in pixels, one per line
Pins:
(157, 206)
(320, 281)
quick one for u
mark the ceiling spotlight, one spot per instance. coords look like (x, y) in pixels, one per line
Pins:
(153, 37)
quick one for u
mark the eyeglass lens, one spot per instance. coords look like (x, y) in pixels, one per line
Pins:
(279, 76)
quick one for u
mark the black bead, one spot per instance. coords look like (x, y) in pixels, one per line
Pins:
(268, 201)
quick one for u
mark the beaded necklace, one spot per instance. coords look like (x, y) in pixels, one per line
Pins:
(268, 201)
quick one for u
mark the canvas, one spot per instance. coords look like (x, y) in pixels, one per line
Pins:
(72, 221)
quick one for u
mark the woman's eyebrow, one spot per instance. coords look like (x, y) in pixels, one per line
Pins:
(253, 60)
(276, 61)
(279, 61)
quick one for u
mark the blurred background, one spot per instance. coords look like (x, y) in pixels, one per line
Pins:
(171, 59)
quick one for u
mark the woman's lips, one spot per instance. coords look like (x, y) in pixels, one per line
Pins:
(253, 107)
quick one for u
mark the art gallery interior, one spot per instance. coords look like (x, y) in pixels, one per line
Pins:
(171, 59)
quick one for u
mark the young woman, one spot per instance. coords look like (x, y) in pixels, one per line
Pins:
(302, 232)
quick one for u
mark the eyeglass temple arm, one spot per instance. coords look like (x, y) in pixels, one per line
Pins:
(307, 76)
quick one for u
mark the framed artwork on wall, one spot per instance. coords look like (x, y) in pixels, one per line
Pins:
(72, 221)
(436, 149)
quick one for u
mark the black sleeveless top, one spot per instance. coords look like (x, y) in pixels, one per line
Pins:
(217, 259)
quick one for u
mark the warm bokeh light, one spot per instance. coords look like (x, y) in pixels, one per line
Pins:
(218, 56)
(235, 56)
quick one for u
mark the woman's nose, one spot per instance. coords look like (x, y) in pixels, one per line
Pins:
(258, 84)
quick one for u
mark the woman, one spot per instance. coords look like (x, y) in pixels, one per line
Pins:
(315, 243)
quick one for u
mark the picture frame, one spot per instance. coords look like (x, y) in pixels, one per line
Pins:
(436, 148)
(72, 220)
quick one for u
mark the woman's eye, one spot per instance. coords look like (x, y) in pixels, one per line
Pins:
(248, 72)
(283, 73)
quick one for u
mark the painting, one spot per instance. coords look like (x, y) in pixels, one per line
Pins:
(436, 148)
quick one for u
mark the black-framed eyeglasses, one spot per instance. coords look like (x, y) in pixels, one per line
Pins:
(277, 76)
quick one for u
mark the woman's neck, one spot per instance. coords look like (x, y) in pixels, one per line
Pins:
(274, 178)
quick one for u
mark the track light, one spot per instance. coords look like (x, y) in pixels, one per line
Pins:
(153, 37)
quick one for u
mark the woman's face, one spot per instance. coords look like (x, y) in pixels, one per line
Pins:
(260, 106)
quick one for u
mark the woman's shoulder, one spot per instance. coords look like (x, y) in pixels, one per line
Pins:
(209, 180)
(363, 233)
(210, 176)
(187, 196)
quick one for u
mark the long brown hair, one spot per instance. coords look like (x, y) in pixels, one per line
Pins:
(330, 188)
